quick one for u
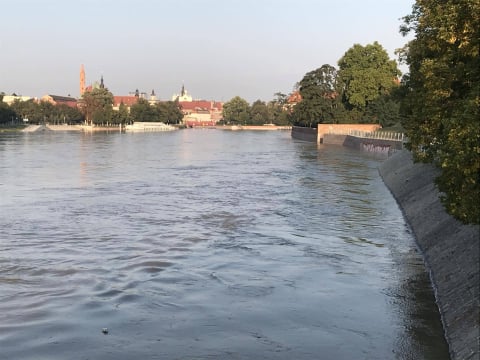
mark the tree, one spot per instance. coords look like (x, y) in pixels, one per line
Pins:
(170, 112)
(277, 111)
(259, 113)
(442, 98)
(319, 92)
(236, 111)
(122, 116)
(143, 111)
(27, 110)
(384, 110)
(7, 114)
(96, 106)
(366, 73)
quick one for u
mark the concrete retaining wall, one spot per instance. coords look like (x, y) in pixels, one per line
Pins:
(450, 249)
(305, 134)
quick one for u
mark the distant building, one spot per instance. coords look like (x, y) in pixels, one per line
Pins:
(10, 99)
(127, 100)
(292, 100)
(183, 96)
(59, 100)
(153, 98)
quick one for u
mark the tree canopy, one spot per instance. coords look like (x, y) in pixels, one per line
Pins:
(360, 91)
(366, 73)
(236, 111)
(320, 103)
(97, 106)
(442, 101)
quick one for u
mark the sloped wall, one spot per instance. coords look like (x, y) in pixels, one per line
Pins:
(450, 249)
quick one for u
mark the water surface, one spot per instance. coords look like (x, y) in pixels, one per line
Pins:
(205, 244)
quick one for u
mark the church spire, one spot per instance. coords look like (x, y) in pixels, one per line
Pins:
(102, 85)
(183, 90)
(82, 80)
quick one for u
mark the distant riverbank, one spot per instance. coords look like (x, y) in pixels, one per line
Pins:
(451, 250)
(253, 127)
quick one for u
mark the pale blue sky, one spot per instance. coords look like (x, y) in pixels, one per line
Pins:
(218, 48)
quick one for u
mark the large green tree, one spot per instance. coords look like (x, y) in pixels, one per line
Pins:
(143, 111)
(170, 112)
(96, 106)
(366, 73)
(442, 101)
(236, 111)
(259, 113)
(320, 97)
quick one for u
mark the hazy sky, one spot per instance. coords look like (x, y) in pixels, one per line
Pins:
(217, 48)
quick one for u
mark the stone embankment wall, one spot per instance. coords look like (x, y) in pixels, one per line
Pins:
(450, 249)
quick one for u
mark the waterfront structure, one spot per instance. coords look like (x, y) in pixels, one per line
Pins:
(149, 127)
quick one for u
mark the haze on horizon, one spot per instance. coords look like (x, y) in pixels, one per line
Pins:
(218, 49)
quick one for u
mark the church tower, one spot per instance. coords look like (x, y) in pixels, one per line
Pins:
(82, 80)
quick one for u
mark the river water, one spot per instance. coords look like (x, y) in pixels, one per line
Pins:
(205, 244)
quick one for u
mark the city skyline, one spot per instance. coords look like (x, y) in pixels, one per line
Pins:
(217, 49)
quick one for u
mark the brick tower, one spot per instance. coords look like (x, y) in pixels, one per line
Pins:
(82, 80)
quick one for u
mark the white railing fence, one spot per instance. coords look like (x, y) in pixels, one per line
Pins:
(381, 135)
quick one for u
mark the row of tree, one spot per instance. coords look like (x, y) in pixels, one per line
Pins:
(38, 112)
(239, 111)
(95, 107)
(364, 89)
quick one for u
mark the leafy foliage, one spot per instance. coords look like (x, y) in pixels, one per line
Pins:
(6, 113)
(236, 111)
(366, 73)
(143, 111)
(40, 112)
(122, 116)
(442, 98)
(320, 103)
(170, 112)
(259, 113)
(277, 112)
(97, 106)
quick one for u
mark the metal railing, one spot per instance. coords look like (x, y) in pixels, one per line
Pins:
(380, 135)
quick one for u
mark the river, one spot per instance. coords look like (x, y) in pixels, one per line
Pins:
(205, 244)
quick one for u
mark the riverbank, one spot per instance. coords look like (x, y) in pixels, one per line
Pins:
(450, 249)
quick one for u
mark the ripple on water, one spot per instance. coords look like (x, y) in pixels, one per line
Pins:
(211, 244)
